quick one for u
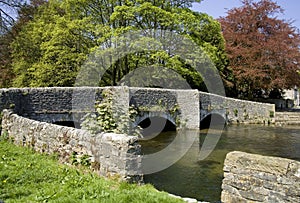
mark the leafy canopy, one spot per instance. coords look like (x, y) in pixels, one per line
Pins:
(263, 50)
(51, 48)
(9, 30)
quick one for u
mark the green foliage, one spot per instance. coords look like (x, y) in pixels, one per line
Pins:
(12, 106)
(25, 12)
(83, 160)
(246, 115)
(110, 117)
(235, 111)
(50, 49)
(174, 110)
(29, 177)
(272, 114)
(4, 136)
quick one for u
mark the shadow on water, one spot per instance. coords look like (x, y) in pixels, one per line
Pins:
(213, 121)
(155, 139)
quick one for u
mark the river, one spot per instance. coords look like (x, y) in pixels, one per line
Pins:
(202, 180)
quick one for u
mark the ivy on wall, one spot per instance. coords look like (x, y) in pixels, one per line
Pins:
(110, 117)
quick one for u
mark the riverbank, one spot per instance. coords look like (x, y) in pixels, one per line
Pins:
(27, 176)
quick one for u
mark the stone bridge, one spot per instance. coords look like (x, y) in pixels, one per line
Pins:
(186, 108)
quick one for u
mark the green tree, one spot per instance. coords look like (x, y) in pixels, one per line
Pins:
(25, 13)
(51, 48)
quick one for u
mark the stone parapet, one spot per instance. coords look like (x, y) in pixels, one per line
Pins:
(236, 110)
(257, 178)
(187, 107)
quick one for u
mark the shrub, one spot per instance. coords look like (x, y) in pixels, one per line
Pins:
(109, 117)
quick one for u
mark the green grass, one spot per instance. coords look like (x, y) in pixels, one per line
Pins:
(26, 176)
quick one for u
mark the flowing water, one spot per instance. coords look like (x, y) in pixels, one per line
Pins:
(201, 179)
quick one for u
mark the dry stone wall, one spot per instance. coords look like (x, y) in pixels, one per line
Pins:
(257, 178)
(236, 110)
(111, 155)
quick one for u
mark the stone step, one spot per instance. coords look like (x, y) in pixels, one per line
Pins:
(287, 118)
(288, 122)
(291, 117)
(287, 114)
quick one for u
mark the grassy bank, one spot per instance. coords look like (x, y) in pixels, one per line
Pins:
(26, 176)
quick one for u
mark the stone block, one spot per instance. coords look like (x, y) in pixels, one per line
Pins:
(256, 178)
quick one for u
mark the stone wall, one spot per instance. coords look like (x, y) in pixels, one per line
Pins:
(186, 106)
(70, 104)
(256, 178)
(235, 110)
(181, 105)
(48, 104)
(111, 155)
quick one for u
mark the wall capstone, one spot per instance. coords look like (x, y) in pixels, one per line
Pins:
(257, 178)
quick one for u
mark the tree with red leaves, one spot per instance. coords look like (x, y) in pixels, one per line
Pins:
(263, 50)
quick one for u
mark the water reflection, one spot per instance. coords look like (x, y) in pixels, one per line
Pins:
(202, 179)
(170, 153)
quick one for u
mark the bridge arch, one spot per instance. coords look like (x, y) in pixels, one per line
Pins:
(155, 122)
(217, 118)
(67, 123)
